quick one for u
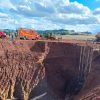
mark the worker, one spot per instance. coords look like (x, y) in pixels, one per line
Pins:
(12, 36)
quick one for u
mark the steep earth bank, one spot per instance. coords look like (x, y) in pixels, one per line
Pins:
(23, 64)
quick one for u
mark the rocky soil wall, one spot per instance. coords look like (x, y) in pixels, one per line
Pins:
(23, 64)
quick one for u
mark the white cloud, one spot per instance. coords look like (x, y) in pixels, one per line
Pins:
(53, 14)
(44, 7)
(25, 8)
(75, 8)
(96, 11)
(6, 4)
(3, 15)
(71, 19)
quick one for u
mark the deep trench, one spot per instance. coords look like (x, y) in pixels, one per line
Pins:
(66, 82)
(71, 87)
(62, 79)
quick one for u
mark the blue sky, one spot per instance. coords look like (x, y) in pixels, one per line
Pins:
(92, 4)
(78, 15)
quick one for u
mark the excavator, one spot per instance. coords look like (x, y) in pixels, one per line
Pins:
(28, 34)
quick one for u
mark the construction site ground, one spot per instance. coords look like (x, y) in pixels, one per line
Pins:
(43, 69)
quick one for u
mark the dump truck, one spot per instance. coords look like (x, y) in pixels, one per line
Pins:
(2, 34)
(28, 34)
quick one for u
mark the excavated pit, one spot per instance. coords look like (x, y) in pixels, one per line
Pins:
(31, 68)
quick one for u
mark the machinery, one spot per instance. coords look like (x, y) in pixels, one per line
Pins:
(2, 34)
(49, 36)
(28, 34)
(98, 37)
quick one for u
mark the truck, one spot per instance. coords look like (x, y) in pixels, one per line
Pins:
(28, 34)
(2, 34)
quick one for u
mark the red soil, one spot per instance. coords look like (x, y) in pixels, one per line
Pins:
(22, 64)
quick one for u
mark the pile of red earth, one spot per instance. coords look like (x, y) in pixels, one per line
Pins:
(23, 64)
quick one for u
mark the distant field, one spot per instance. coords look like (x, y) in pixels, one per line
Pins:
(77, 37)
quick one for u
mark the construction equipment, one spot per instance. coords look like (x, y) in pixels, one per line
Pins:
(28, 34)
(49, 36)
(98, 37)
(2, 34)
